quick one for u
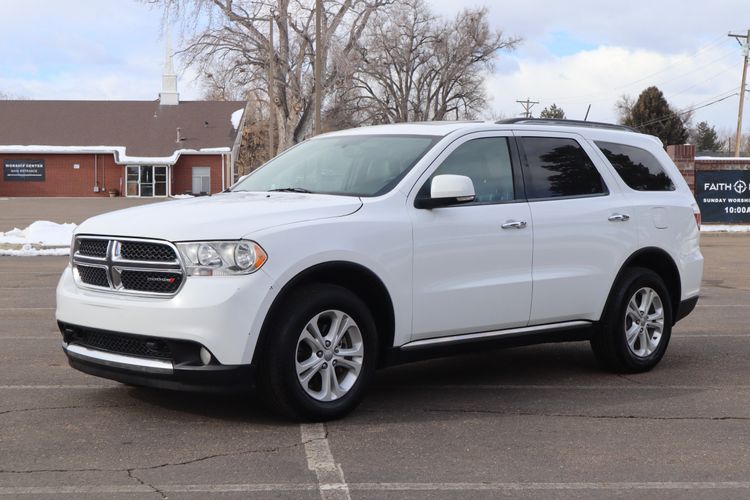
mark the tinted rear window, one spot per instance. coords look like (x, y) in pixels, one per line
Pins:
(637, 167)
(558, 167)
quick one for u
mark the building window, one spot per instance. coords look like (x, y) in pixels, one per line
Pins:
(201, 180)
(132, 181)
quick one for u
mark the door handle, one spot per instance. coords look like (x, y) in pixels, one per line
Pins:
(514, 224)
(619, 218)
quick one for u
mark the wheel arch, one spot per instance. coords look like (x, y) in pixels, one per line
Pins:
(660, 262)
(359, 279)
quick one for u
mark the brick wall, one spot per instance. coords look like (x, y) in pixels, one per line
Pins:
(62, 178)
(721, 164)
(683, 156)
(182, 172)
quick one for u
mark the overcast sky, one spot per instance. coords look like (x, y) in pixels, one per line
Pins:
(574, 53)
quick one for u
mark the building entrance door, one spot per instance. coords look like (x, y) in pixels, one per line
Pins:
(146, 180)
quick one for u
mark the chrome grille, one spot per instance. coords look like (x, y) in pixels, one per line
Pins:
(127, 265)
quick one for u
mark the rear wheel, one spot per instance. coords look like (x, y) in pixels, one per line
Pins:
(322, 356)
(637, 323)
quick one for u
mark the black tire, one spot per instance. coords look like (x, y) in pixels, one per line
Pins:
(610, 344)
(277, 375)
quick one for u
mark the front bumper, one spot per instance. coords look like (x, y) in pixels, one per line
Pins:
(224, 314)
(180, 369)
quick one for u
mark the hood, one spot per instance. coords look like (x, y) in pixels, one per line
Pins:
(224, 216)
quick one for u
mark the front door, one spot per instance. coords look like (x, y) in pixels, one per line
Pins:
(146, 180)
(472, 265)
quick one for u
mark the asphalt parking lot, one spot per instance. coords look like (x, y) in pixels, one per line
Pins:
(533, 422)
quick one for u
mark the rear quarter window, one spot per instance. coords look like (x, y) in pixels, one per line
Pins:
(638, 168)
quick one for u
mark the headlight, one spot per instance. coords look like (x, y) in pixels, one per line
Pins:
(222, 258)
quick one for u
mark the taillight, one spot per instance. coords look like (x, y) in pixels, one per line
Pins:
(697, 219)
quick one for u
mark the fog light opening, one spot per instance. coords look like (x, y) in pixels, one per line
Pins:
(205, 356)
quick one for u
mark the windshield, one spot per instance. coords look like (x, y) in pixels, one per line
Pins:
(361, 165)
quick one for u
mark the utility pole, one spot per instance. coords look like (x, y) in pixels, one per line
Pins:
(527, 105)
(318, 63)
(271, 93)
(745, 46)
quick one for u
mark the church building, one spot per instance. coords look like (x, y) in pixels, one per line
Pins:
(153, 148)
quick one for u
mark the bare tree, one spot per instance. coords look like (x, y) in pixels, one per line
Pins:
(417, 66)
(4, 96)
(235, 39)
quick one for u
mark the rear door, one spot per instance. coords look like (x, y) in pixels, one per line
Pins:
(583, 226)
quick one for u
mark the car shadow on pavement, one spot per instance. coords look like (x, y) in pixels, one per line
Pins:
(245, 407)
(403, 389)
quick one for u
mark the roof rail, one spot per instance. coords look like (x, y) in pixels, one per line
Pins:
(572, 123)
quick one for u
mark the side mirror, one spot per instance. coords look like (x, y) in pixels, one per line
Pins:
(448, 190)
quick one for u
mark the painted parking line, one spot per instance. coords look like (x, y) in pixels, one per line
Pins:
(331, 482)
(561, 387)
(710, 335)
(27, 308)
(721, 305)
(28, 288)
(382, 486)
(42, 387)
(30, 337)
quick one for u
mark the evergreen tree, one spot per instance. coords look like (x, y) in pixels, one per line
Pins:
(705, 138)
(553, 111)
(651, 114)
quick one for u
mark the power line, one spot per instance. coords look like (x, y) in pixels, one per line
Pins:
(716, 42)
(683, 112)
(745, 48)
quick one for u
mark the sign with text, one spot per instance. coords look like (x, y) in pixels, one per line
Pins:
(723, 195)
(23, 170)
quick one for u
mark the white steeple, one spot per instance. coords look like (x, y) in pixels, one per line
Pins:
(168, 95)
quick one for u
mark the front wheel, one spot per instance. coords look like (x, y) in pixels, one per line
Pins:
(636, 325)
(319, 361)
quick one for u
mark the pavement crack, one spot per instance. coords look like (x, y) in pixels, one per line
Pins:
(131, 475)
(631, 380)
(130, 470)
(71, 407)
(583, 415)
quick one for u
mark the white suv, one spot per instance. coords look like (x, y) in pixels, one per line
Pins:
(364, 248)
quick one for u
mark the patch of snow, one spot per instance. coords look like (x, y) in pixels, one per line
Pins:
(41, 232)
(29, 251)
(725, 228)
(40, 238)
(236, 118)
(121, 158)
(181, 196)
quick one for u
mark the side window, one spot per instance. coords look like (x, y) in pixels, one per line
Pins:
(637, 167)
(487, 163)
(559, 167)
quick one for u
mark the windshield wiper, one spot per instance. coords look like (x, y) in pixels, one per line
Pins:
(291, 190)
